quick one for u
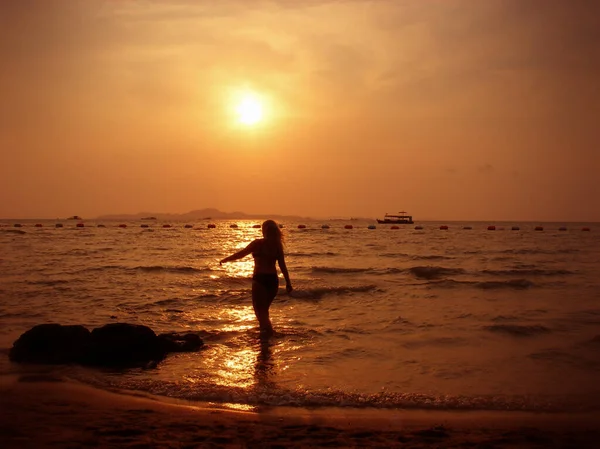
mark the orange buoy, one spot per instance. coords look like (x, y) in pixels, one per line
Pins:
(586, 229)
(301, 226)
(348, 227)
(371, 227)
(325, 226)
(562, 228)
(417, 228)
(101, 226)
(58, 225)
(515, 228)
(188, 226)
(539, 228)
(122, 225)
(143, 225)
(166, 226)
(491, 228)
(80, 225)
(233, 226)
(256, 226)
(38, 225)
(18, 225)
(211, 226)
(396, 227)
(444, 227)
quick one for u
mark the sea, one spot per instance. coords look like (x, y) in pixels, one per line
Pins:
(429, 316)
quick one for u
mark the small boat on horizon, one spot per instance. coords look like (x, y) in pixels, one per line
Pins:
(75, 217)
(399, 218)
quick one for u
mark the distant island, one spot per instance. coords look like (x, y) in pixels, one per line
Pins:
(200, 214)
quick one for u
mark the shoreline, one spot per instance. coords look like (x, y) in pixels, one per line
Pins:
(42, 411)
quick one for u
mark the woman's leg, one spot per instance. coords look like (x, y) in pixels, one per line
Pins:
(261, 301)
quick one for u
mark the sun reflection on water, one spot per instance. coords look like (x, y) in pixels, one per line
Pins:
(241, 319)
(240, 359)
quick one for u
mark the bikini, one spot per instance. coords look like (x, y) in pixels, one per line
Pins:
(268, 280)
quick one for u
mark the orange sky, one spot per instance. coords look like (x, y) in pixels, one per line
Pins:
(448, 109)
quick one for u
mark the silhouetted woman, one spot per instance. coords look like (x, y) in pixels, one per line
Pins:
(265, 282)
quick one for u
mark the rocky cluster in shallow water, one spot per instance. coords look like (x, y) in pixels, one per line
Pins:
(112, 345)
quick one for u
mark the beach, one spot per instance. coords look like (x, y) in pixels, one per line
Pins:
(40, 411)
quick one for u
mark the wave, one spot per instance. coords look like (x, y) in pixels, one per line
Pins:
(150, 268)
(523, 251)
(394, 255)
(14, 231)
(49, 282)
(432, 272)
(319, 292)
(515, 284)
(339, 270)
(432, 257)
(528, 272)
(312, 254)
(417, 256)
(518, 284)
(518, 330)
(171, 269)
(266, 393)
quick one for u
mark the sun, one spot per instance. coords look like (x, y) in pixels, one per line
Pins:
(249, 110)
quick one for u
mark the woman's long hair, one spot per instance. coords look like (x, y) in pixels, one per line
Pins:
(272, 233)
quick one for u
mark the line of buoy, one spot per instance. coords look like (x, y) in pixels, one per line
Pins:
(300, 226)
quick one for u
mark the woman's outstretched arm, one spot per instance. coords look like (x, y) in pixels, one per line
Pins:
(240, 254)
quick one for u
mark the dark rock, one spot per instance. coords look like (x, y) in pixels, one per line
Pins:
(123, 345)
(117, 345)
(51, 344)
(181, 342)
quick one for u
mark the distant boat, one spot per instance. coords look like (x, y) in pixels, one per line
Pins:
(75, 217)
(148, 218)
(399, 218)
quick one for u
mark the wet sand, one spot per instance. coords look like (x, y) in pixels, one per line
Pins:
(43, 412)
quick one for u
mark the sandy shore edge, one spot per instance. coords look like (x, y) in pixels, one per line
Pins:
(39, 411)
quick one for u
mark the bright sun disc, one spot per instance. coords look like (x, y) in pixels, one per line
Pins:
(249, 111)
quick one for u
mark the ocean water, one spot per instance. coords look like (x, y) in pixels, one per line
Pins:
(458, 319)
